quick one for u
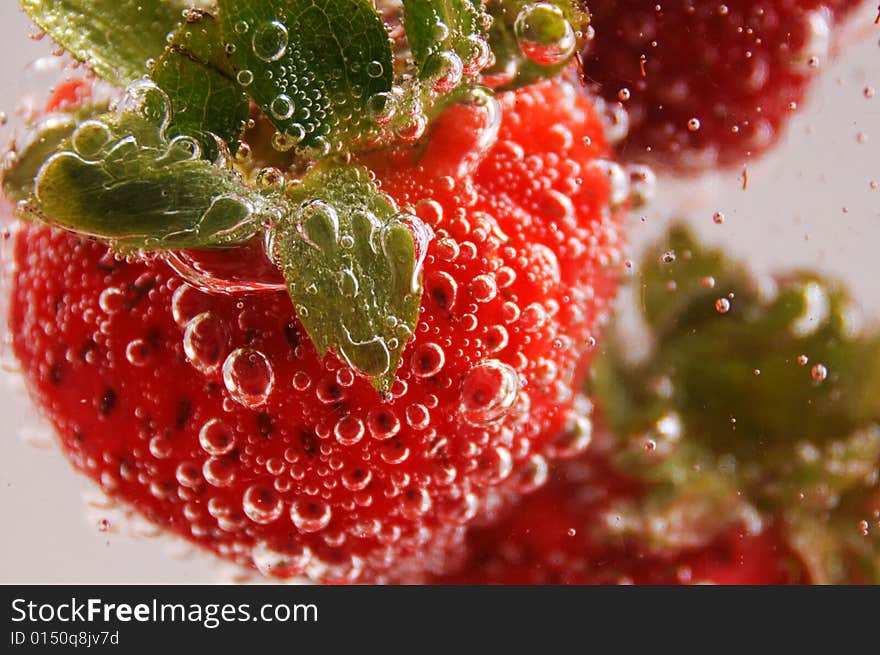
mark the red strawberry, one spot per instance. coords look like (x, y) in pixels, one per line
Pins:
(707, 83)
(564, 534)
(214, 416)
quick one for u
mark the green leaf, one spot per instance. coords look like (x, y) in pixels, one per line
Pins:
(114, 38)
(679, 274)
(352, 265)
(531, 40)
(312, 65)
(773, 403)
(197, 75)
(40, 141)
(121, 178)
(435, 28)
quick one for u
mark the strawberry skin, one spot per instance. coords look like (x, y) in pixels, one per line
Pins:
(564, 535)
(214, 416)
(707, 84)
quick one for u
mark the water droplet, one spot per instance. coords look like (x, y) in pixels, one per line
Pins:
(383, 424)
(531, 474)
(216, 438)
(270, 41)
(415, 502)
(443, 71)
(417, 416)
(111, 300)
(427, 360)
(348, 430)
(261, 504)
(281, 107)
(137, 352)
(488, 391)
(819, 373)
(483, 288)
(244, 77)
(543, 34)
(356, 479)
(283, 563)
(248, 377)
(310, 515)
(219, 471)
(206, 341)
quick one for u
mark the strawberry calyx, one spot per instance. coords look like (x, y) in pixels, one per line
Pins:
(169, 168)
(757, 403)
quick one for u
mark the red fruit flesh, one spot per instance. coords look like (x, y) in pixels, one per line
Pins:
(214, 416)
(707, 84)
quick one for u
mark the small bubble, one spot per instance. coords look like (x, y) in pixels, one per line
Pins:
(216, 438)
(427, 360)
(244, 77)
(310, 515)
(261, 504)
(111, 300)
(819, 372)
(348, 430)
(722, 305)
(137, 352)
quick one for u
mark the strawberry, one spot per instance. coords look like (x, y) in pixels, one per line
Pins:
(566, 533)
(216, 416)
(707, 84)
(755, 405)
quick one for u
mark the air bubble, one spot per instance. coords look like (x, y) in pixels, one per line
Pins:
(427, 360)
(216, 438)
(261, 504)
(137, 352)
(270, 41)
(281, 107)
(219, 472)
(205, 341)
(111, 300)
(488, 392)
(348, 430)
(543, 34)
(285, 563)
(310, 515)
(248, 377)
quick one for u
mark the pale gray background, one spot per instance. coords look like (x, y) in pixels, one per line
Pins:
(808, 204)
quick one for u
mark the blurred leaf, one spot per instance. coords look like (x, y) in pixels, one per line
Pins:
(114, 38)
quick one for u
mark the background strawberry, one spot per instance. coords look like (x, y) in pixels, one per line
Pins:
(569, 533)
(215, 416)
(707, 84)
